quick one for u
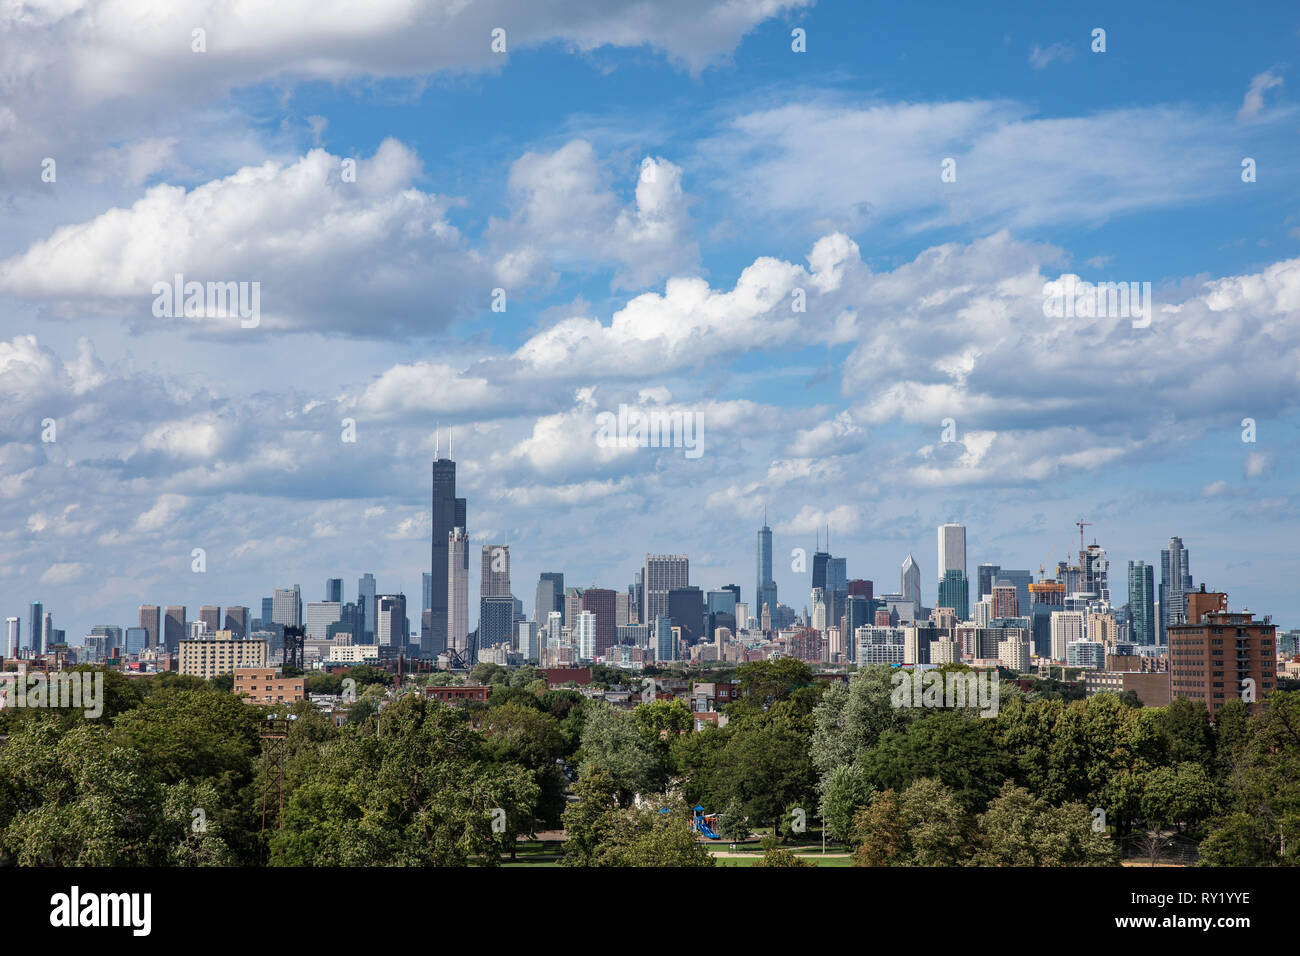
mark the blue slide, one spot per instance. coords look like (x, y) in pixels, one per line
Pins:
(703, 827)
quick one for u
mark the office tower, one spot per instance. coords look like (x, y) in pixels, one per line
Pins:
(1216, 651)
(1095, 571)
(863, 588)
(391, 626)
(765, 585)
(817, 615)
(622, 610)
(600, 602)
(496, 621)
(986, 575)
(1067, 627)
(428, 646)
(320, 615)
(636, 591)
(550, 596)
(334, 590)
(954, 592)
(268, 606)
(137, 639)
(426, 590)
(820, 560)
(1175, 583)
(858, 611)
(210, 616)
(952, 549)
(13, 635)
(1141, 602)
(366, 599)
(48, 637)
(723, 611)
(911, 582)
(448, 514)
(237, 622)
(37, 624)
(585, 637)
(837, 575)
(287, 607)
(686, 608)
(456, 605)
(572, 605)
(663, 573)
(1021, 581)
(1004, 601)
(1044, 598)
(494, 579)
(526, 641)
(554, 628)
(197, 631)
(664, 643)
(151, 621)
(174, 628)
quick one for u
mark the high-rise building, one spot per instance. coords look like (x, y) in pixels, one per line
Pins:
(456, 620)
(985, 576)
(663, 573)
(136, 639)
(1005, 602)
(664, 641)
(13, 636)
(954, 592)
(1067, 627)
(366, 599)
(526, 640)
(210, 616)
(151, 621)
(287, 607)
(426, 590)
(496, 621)
(1141, 602)
(174, 628)
(1021, 581)
(585, 637)
(268, 606)
(765, 585)
(600, 602)
(952, 549)
(1175, 583)
(722, 607)
(550, 596)
(687, 610)
(1095, 571)
(1217, 655)
(910, 579)
(1044, 597)
(47, 632)
(320, 615)
(237, 622)
(392, 628)
(334, 590)
(494, 580)
(37, 628)
(820, 560)
(448, 514)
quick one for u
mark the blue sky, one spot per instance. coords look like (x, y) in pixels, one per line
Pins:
(649, 190)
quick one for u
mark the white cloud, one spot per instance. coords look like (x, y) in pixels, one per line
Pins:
(1252, 104)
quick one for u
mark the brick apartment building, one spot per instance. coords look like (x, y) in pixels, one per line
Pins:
(1213, 655)
(261, 685)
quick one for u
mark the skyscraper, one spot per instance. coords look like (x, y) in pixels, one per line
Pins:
(151, 621)
(1175, 583)
(496, 622)
(952, 549)
(37, 628)
(550, 596)
(448, 513)
(663, 573)
(765, 586)
(426, 591)
(237, 622)
(911, 583)
(494, 578)
(210, 616)
(366, 599)
(1141, 602)
(456, 602)
(600, 602)
(286, 608)
(174, 629)
(334, 590)
(986, 575)
(13, 635)
(391, 626)
(954, 592)
(1095, 571)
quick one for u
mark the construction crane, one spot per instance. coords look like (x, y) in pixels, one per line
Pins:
(1082, 524)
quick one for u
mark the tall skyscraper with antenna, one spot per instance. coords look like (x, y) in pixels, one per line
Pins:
(765, 586)
(448, 512)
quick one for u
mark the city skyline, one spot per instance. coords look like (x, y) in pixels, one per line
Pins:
(860, 335)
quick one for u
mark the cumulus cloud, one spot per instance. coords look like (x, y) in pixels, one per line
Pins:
(1252, 104)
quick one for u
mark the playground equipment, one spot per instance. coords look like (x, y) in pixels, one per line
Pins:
(705, 822)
